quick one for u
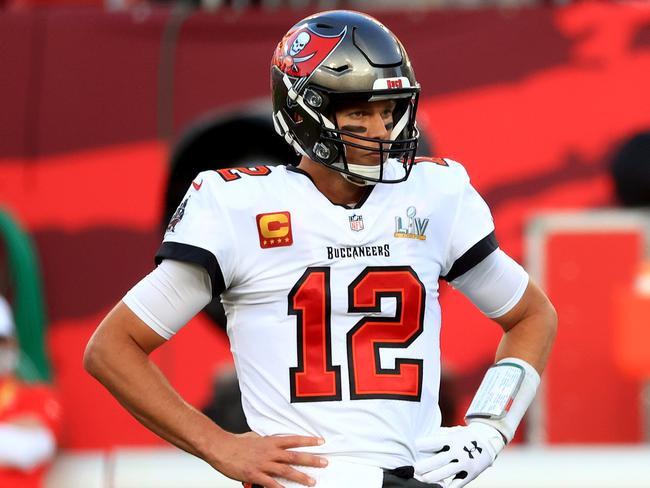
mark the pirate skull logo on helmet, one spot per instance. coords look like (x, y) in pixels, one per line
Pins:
(299, 43)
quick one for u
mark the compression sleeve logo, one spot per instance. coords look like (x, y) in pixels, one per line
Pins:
(274, 229)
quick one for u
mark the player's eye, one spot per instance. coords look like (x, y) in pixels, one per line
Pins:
(357, 114)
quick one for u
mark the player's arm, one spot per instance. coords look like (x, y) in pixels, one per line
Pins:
(118, 356)
(503, 291)
(530, 329)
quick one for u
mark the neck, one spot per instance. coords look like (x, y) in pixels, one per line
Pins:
(331, 184)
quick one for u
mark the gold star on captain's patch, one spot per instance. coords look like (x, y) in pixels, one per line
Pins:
(272, 241)
(286, 239)
(266, 242)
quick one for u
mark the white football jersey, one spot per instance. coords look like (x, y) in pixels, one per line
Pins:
(333, 313)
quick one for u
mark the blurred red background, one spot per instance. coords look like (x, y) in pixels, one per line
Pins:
(531, 101)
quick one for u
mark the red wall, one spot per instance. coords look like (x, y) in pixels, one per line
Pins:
(532, 101)
(588, 398)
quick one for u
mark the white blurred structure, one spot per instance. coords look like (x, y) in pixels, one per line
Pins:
(566, 467)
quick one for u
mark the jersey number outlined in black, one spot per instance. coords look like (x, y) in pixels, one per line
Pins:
(233, 174)
(316, 378)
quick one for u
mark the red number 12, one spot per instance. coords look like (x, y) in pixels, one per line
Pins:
(315, 378)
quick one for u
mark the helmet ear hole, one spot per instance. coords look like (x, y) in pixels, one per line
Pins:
(327, 152)
(313, 98)
(322, 151)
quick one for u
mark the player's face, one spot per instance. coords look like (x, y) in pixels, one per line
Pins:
(367, 119)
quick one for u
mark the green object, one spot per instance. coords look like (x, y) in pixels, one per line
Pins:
(28, 303)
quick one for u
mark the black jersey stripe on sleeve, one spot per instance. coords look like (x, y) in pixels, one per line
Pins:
(474, 255)
(195, 255)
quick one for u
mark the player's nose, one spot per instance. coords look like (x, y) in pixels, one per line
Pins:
(377, 126)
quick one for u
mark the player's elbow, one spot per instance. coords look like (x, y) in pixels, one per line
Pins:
(551, 319)
(92, 357)
(541, 312)
(546, 323)
(97, 355)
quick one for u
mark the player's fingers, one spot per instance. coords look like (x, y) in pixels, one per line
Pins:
(441, 473)
(459, 483)
(289, 441)
(289, 473)
(268, 482)
(433, 462)
(302, 459)
(430, 444)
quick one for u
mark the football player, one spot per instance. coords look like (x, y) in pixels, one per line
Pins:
(329, 275)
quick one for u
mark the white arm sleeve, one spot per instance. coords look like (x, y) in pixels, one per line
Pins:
(25, 448)
(495, 285)
(168, 297)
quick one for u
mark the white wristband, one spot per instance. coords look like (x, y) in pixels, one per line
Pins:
(506, 392)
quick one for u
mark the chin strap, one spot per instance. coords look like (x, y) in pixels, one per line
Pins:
(364, 171)
(357, 181)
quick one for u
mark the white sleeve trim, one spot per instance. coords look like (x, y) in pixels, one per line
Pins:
(168, 297)
(495, 285)
(25, 448)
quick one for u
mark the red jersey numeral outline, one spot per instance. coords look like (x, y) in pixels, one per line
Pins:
(316, 378)
(232, 174)
(367, 378)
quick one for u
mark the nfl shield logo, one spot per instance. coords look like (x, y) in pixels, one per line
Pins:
(356, 222)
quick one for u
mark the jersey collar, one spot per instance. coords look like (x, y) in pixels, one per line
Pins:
(359, 204)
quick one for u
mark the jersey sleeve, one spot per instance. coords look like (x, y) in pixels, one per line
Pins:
(495, 285)
(472, 236)
(200, 232)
